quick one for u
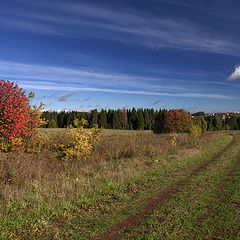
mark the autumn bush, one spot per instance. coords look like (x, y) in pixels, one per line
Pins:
(77, 143)
(18, 121)
(173, 121)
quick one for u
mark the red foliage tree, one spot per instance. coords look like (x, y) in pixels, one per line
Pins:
(177, 121)
(18, 121)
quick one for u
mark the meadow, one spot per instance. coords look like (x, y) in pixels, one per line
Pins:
(134, 185)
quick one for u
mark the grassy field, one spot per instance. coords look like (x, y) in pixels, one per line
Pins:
(135, 185)
(105, 132)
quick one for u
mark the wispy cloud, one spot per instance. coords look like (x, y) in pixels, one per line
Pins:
(66, 79)
(120, 25)
(34, 27)
(61, 75)
(235, 75)
(46, 96)
(125, 91)
(64, 97)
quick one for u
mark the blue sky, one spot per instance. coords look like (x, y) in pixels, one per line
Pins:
(82, 55)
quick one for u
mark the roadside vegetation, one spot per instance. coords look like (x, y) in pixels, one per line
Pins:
(75, 183)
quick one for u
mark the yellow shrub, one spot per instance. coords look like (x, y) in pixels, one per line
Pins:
(78, 143)
(75, 143)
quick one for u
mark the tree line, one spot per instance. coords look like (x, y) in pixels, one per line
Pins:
(136, 119)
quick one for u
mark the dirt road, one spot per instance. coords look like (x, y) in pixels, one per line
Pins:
(114, 232)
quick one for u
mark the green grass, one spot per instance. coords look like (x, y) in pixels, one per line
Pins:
(43, 198)
(205, 208)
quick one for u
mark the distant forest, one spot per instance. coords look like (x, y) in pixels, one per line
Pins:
(135, 119)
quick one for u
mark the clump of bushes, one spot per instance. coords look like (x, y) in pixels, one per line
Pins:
(76, 143)
(19, 122)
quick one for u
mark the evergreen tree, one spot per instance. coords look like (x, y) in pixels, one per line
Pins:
(133, 119)
(103, 119)
(140, 120)
(70, 119)
(93, 118)
(152, 118)
(129, 114)
(117, 120)
(110, 118)
(147, 119)
(52, 124)
(158, 126)
(124, 118)
(60, 119)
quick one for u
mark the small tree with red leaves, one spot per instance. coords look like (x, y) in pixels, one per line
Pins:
(18, 122)
(177, 121)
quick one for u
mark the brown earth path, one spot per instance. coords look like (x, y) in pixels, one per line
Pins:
(131, 222)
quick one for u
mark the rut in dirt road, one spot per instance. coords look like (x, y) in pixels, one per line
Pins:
(218, 193)
(151, 204)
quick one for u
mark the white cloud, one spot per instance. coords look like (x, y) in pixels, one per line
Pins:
(13, 70)
(235, 75)
(32, 76)
(130, 26)
(64, 97)
(51, 86)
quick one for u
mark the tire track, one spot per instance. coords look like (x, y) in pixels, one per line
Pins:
(151, 204)
(219, 195)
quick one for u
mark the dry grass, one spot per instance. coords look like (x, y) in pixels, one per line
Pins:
(117, 158)
(41, 182)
